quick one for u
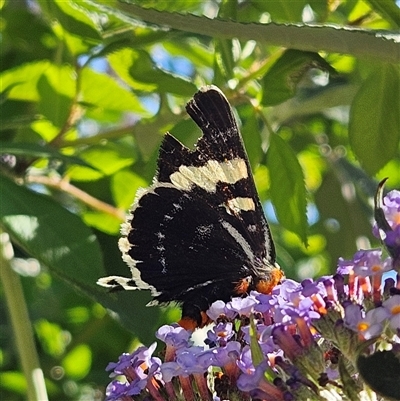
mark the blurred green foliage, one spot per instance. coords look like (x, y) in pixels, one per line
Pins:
(88, 88)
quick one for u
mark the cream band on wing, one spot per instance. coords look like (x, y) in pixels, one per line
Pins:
(207, 176)
(241, 204)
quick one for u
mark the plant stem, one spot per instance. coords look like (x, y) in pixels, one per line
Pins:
(65, 186)
(363, 43)
(21, 324)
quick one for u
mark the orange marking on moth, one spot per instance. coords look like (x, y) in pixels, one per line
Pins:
(188, 323)
(266, 286)
(191, 324)
(242, 286)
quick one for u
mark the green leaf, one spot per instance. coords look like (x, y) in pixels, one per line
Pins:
(62, 79)
(388, 9)
(45, 129)
(321, 8)
(112, 95)
(280, 81)
(18, 121)
(27, 32)
(6, 91)
(224, 63)
(51, 337)
(53, 105)
(14, 381)
(23, 80)
(177, 5)
(102, 222)
(358, 42)
(374, 126)
(350, 387)
(283, 10)
(139, 71)
(342, 219)
(34, 150)
(78, 362)
(381, 372)
(257, 355)
(288, 192)
(51, 234)
(190, 49)
(75, 19)
(251, 134)
(106, 159)
(125, 37)
(124, 185)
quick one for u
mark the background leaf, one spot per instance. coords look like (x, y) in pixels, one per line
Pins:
(388, 9)
(38, 225)
(374, 127)
(280, 81)
(74, 18)
(138, 70)
(288, 191)
(34, 150)
(53, 105)
(113, 96)
(380, 371)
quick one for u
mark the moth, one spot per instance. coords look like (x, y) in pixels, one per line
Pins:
(198, 234)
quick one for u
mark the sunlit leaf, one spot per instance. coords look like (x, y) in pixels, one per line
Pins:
(53, 105)
(106, 160)
(192, 49)
(78, 361)
(279, 83)
(5, 91)
(13, 381)
(388, 9)
(112, 96)
(139, 71)
(124, 185)
(125, 38)
(224, 62)
(45, 129)
(51, 337)
(288, 191)
(51, 234)
(103, 222)
(62, 78)
(180, 5)
(256, 352)
(23, 80)
(374, 127)
(74, 18)
(251, 134)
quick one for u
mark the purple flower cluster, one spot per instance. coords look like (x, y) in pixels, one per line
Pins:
(387, 226)
(297, 343)
(141, 370)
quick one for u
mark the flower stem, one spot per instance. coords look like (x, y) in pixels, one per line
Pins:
(22, 329)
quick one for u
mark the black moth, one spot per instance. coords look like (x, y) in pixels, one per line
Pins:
(199, 234)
